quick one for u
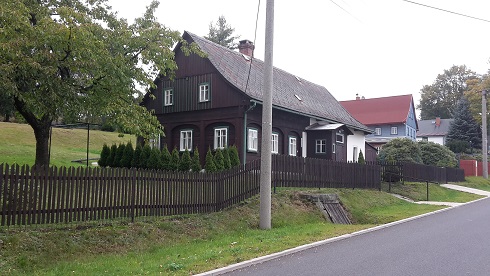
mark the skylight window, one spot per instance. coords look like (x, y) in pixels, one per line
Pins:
(297, 97)
(247, 58)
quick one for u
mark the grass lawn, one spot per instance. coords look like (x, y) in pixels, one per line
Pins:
(476, 182)
(418, 192)
(18, 144)
(183, 245)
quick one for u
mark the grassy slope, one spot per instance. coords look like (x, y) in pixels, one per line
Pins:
(191, 244)
(18, 144)
(418, 192)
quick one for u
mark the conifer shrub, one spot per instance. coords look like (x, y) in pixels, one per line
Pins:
(136, 161)
(226, 158)
(104, 155)
(119, 155)
(219, 160)
(185, 161)
(145, 156)
(166, 158)
(154, 161)
(174, 161)
(127, 156)
(112, 156)
(196, 162)
(210, 166)
(361, 159)
(234, 158)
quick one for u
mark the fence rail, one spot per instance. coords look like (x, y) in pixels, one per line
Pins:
(37, 195)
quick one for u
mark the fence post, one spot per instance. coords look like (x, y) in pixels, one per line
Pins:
(427, 190)
(133, 193)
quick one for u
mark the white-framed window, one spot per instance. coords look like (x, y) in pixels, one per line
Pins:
(394, 130)
(168, 97)
(253, 139)
(340, 138)
(186, 140)
(275, 143)
(377, 131)
(154, 142)
(204, 92)
(220, 138)
(355, 154)
(292, 145)
(321, 146)
(333, 147)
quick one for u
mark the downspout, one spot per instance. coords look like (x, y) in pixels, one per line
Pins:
(252, 106)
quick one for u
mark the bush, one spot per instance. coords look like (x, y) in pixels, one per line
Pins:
(136, 161)
(361, 159)
(166, 158)
(104, 155)
(437, 155)
(458, 146)
(145, 156)
(219, 160)
(112, 156)
(119, 155)
(226, 158)
(154, 162)
(401, 150)
(392, 171)
(196, 162)
(127, 156)
(210, 166)
(185, 162)
(174, 160)
(234, 158)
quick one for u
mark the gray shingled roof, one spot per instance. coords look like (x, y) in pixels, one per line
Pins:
(429, 128)
(314, 100)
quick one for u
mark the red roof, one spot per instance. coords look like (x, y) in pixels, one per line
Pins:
(387, 110)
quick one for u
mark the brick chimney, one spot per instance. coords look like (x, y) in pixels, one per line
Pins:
(246, 47)
(357, 97)
(438, 121)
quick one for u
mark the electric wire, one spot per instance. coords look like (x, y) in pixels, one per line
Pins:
(253, 51)
(346, 11)
(439, 9)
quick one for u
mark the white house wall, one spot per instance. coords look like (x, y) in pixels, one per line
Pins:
(436, 139)
(356, 140)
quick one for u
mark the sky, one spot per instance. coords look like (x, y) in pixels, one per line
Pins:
(374, 48)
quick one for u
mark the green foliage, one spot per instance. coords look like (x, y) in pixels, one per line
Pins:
(196, 162)
(166, 158)
(155, 161)
(185, 162)
(219, 160)
(226, 158)
(222, 34)
(136, 162)
(117, 163)
(127, 156)
(401, 150)
(458, 146)
(441, 97)
(464, 126)
(234, 158)
(74, 57)
(210, 166)
(392, 170)
(112, 156)
(104, 155)
(145, 156)
(7, 108)
(174, 160)
(361, 159)
(474, 95)
(434, 154)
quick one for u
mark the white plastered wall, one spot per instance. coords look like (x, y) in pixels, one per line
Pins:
(356, 140)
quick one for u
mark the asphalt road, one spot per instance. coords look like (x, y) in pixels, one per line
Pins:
(454, 242)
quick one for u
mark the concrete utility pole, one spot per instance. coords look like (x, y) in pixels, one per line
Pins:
(266, 158)
(484, 147)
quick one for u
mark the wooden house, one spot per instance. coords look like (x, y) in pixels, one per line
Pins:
(216, 101)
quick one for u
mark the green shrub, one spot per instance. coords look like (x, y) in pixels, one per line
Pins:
(154, 162)
(210, 166)
(175, 160)
(104, 155)
(234, 158)
(437, 155)
(196, 162)
(127, 156)
(361, 159)
(166, 158)
(145, 156)
(219, 160)
(112, 156)
(401, 150)
(185, 162)
(119, 156)
(226, 158)
(136, 161)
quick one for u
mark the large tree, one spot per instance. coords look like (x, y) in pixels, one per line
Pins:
(474, 93)
(441, 97)
(464, 127)
(76, 56)
(401, 150)
(222, 34)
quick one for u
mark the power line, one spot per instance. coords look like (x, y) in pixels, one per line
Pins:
(253, 51)
(439, 9)
(346, 11)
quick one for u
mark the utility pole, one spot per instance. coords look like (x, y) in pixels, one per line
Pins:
(484, 148)
(266, 158)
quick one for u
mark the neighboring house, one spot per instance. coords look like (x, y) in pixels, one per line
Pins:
(215, 102)
(389, 117)
(434, 130)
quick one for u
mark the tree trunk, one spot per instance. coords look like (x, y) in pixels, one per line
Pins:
(41, 127)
